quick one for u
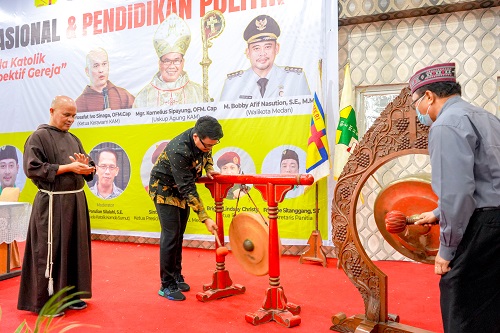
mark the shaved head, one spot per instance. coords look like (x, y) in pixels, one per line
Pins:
(61, 100)
(62, 112)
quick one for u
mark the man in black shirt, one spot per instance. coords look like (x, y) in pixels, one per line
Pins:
(172, 187)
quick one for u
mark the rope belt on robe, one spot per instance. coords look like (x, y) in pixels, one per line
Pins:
(48, 270)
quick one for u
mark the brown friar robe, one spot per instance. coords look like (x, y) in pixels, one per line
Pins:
(91, 100)
(46, 149)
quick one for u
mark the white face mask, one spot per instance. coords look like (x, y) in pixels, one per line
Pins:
(424, 119)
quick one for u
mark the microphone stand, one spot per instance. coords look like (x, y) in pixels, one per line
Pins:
(106, 99)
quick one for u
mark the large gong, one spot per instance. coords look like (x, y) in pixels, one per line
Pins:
(411, 196)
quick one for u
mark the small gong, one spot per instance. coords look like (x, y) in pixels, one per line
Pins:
(249, 238)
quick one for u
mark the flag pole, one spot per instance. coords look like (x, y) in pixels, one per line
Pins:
(317, 209)
(316, 252)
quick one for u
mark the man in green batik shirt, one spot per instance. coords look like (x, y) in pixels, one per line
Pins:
(172, 187)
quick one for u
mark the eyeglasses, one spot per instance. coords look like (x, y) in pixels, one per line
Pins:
(208, 146)
(169, 62)
(104, 167)
(413, 104)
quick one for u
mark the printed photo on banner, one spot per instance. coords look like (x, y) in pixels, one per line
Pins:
(11, 168)
(149, 159)
(171, 84)
(264, 78)
(286, 159)
(100, 94)
(112, 171)
(234, 161)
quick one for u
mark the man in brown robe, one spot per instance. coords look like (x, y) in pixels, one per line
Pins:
(57, 252)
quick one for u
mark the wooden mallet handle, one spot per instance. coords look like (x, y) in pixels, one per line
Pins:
(221, 250)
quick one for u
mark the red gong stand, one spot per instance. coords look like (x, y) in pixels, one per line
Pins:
(273, 189)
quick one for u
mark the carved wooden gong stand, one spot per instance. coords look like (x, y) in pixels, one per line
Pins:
(395, 133)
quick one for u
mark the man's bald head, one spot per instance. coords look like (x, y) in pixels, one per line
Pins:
(62, 112)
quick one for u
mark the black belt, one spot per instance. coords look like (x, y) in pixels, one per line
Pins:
(486, 209)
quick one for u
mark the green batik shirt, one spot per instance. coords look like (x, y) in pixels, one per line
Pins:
(173, 177)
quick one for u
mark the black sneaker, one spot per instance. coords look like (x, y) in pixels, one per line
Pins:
(80, 305)
(172, 292)
(183, 286)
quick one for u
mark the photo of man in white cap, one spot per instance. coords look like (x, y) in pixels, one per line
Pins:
(171, 84)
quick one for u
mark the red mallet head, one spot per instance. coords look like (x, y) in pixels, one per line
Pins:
(395, 222)
(222, 251)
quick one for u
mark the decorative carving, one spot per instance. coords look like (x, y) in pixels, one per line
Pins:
(395, 133)
(357, 12)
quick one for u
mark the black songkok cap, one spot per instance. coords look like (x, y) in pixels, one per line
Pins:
(289, 154)
(8, 152)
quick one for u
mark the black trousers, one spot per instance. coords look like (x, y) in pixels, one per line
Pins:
(470, 291)
(173, 221)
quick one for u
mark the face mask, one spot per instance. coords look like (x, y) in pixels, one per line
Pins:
(424, 119)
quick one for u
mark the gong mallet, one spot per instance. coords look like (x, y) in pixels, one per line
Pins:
(221, 250)
(396, 221)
